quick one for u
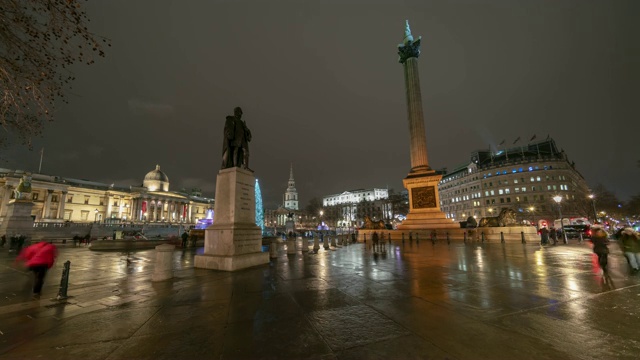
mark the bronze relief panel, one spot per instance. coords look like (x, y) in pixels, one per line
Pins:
(423, 197)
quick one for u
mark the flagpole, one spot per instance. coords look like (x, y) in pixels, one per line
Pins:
(41, 156)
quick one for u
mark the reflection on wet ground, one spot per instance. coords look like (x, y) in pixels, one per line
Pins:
(417, 300)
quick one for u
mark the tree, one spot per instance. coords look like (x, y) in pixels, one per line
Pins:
(399, 203)
(313, 207)
(39, 41)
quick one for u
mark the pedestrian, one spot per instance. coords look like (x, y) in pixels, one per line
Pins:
(553, 234)
(630, 245)
(544, 235)
(3, 240)
(600, 239)
(38, 258)
(185, 237)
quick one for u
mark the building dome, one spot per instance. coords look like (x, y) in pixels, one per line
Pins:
(156, 180)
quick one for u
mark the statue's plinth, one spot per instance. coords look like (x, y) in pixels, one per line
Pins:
(234, 241)
(424, 203)
(18, 219)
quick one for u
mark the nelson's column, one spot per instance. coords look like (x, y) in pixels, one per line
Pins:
(422, 181)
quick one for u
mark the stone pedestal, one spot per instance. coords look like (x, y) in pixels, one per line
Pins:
(18, 219)
(316, 244)
(291, 245)
(163, 269)
(424, 203)
(234, 241)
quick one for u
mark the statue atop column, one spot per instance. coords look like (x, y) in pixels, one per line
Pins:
(235, 145)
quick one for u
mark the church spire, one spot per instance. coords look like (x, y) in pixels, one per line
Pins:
(291, 195)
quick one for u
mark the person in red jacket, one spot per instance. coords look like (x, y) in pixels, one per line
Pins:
(39, 258)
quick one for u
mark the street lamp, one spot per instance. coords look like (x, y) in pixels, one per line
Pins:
(533, 219)
(96, 217)
(558, 200)
(593, 203)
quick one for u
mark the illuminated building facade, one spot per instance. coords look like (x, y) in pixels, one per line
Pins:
(524, 179)
(350, 207)
(57, 200)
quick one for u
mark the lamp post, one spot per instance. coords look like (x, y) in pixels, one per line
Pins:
(558, 200)
(593, 203)
(95, 219)
(533, 219)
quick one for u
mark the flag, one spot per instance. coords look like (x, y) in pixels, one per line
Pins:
(144, 207)
(533, 137)
(518, 139)
(501, 143)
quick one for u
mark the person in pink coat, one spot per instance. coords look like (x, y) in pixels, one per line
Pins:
(39, 258)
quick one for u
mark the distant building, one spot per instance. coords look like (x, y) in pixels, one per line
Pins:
(290, 205)
(350, 207)
(59, 199)
(291, 195)
(524, 179)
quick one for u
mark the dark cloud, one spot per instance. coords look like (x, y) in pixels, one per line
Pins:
(321, 88)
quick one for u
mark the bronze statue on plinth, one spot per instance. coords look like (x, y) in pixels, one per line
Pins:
(235, 145)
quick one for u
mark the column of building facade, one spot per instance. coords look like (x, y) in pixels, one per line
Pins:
(46, 209)
(61, 205)
(6, 196)
(189, 212)
(108, 198)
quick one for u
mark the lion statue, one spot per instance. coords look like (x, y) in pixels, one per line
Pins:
(24, 188)
(506, 217)
(370, 224)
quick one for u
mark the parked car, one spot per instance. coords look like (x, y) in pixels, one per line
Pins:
(574, 231)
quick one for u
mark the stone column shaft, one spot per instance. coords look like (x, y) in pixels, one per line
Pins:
(46, 209)
(61, 204)
(418, 142)
(6, 196)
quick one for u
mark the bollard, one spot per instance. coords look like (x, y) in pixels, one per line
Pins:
(163, 269)
(482, 236)
(501, 237)
(64, 281)
(333, 242)
(316, 244)
(410, 236)
(580, 239)
(448, 240)
(273, 250)
(465, 237)
(291, 245)
(325, 243)
(522, 236)
(304, 244)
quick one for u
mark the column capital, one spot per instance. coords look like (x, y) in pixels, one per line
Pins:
(408, 50)
(49, 191)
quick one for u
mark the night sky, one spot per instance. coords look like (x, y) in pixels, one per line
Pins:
(321, 87)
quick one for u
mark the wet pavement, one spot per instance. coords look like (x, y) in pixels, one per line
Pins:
(419, 300)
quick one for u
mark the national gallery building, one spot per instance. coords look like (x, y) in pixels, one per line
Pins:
(525, 179)
(57, 200)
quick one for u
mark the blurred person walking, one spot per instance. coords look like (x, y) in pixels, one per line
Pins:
(630, 246)
(553, 234)
(600, 239)
(38, 258)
